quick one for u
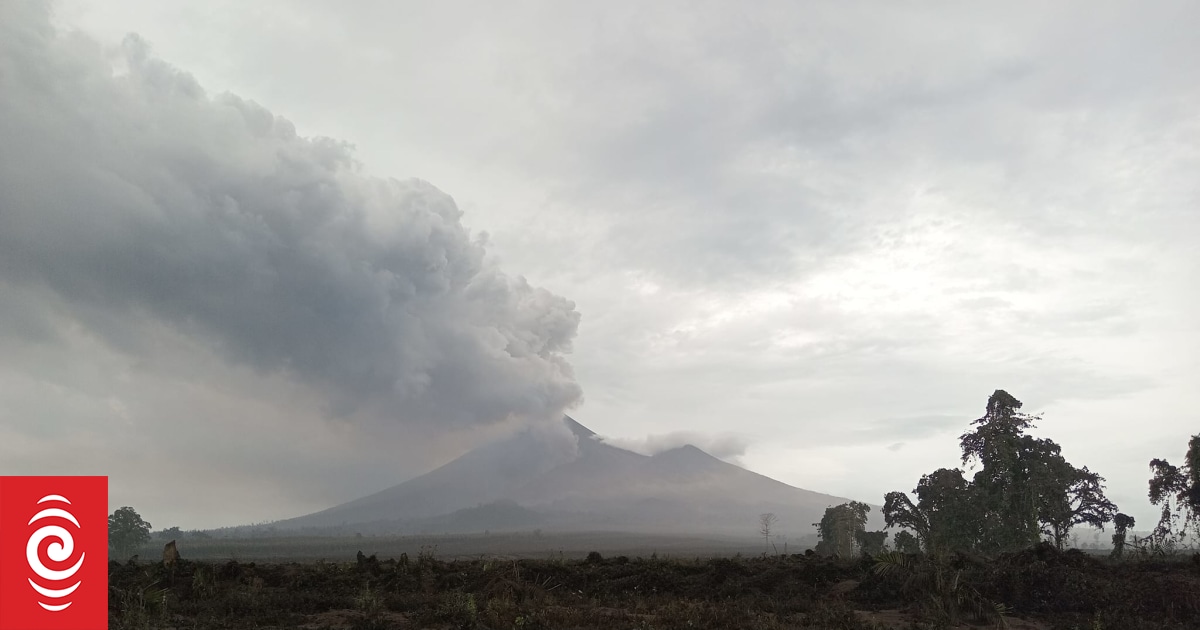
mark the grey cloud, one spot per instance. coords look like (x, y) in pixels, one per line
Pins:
(910, 428)
(854, 121)
(131, 194)
(727, 446)
(957, 199)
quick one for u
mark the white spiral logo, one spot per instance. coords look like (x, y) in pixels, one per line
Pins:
(59, 551)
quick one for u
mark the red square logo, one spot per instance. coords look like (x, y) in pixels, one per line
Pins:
(53, 553)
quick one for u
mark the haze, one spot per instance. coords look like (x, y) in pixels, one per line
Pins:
(808, 239)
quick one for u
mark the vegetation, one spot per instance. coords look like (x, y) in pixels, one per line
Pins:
(905, 542)
(1046, 588)
(938, 589)
(765, 522)
(842, 532)
(170, 533)
(126, 531)
(1023, 490)
(942, 517)
(870, 543)
(1176, 490)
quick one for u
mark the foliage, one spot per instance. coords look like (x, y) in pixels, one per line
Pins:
(905, 542)
(126, 530)
(1072, 497)
(1122, 523)
(871, 543)
(1005, 489)
(938, 588)
(839, 528)
(1023, 489)
(942, 517)
(1176, 490)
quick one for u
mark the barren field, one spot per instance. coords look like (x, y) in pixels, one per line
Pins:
(510, 545)
(1039, 589)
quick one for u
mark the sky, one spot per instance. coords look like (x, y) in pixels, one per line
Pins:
(257, 260)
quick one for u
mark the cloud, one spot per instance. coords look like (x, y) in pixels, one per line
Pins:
(811, 219)
(727, 446)
(129, 195)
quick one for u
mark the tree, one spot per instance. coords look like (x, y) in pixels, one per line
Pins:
(1073, 497)
(1006, 498)
(941, 518)
(1023, 489)
(839, 527)
(765, 522)
(871, 543)
(1176, 490)
(906, 543)
(126, 531)
(1122, 523)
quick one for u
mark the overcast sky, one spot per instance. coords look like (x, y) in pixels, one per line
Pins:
(810, 237)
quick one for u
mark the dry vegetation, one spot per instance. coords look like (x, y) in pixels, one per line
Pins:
(1041, 588)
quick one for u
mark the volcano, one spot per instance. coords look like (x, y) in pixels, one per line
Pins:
(523, 482)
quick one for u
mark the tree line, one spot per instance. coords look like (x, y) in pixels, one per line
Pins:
(1023, 492)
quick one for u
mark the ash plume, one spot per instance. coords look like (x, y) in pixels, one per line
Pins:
(128, 193)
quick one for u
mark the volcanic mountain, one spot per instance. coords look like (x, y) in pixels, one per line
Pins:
(524, 482)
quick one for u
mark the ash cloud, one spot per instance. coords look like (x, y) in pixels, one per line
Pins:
(128, 194)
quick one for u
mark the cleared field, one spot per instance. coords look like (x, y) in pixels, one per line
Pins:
(1039, 589)
(449, 547)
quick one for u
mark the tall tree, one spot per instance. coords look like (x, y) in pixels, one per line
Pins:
(1006, 489)
(839, 528)
(1176, 490)
(126, 530)
(1023, 488)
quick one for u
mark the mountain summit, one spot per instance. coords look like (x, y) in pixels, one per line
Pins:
(522, 482)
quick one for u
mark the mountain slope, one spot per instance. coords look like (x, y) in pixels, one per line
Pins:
(600, 487)
(484, 475)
